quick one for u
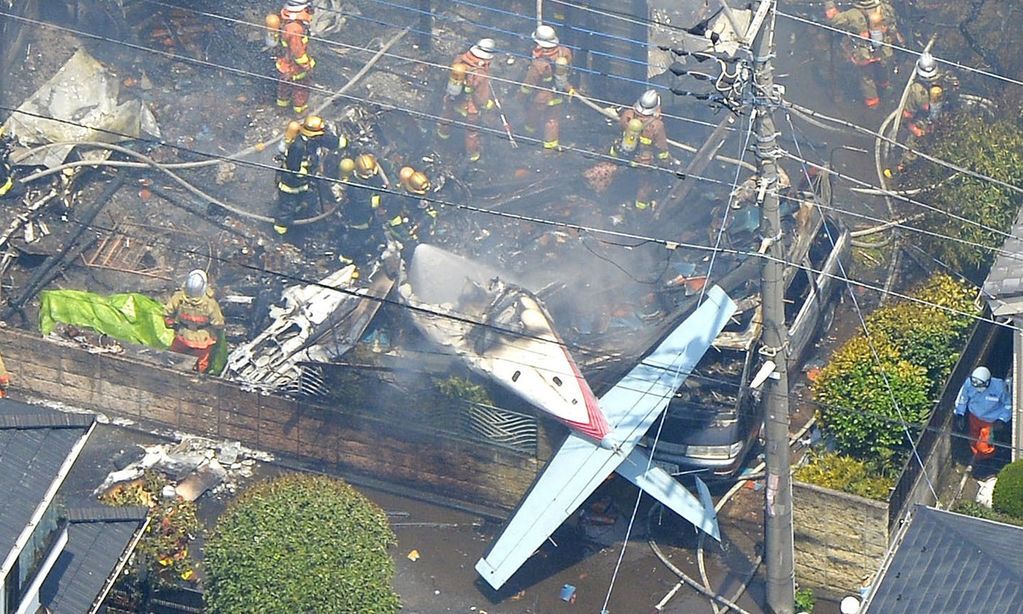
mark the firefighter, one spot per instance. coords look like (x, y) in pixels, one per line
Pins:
(645, 142)
(364, 211)
(870, 51)
(5, 379)
(8, 186)
(928, 98)
(302, 152)
(416, 217)
(293, 60)
(196, 318)
(984, 409)
(547, 82)
(468, 94)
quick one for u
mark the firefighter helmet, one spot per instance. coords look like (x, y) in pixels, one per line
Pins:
(981, 377)
(291, 131)
(196, 283)
(366, 166)
(484, 49)
(545, 37)
(296, 6)
(648, 103)
(867, 4)
(414, 182)
(926, 67)
(313, 125)
(346, 167)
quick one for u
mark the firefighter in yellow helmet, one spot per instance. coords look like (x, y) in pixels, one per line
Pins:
(364, 212)
(8, 186)
(414, 217)
(195, 316)
(302, 153)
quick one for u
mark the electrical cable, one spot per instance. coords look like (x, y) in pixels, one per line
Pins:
(482, 128)
(870, 342)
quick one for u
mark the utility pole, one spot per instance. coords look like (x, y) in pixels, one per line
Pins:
(778, 540)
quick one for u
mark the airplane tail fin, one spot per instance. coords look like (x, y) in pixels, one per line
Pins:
(660, 485)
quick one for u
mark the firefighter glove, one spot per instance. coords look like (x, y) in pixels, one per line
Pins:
(960, 422)
(490, 105)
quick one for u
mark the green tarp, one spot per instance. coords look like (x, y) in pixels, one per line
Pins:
(130, 317)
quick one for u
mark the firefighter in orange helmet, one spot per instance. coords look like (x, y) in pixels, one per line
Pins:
(293, 60)
(547, 82)
(196, 318)
(468, 93)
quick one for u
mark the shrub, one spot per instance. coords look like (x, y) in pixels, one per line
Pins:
(1008, 495)
(972, 508)
(929, 337)
(856, 405)
(805, 600)
(993, 148)
(301, 543)
(845, 473)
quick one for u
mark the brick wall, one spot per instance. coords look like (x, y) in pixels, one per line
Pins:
(839, 538)
(395, 456)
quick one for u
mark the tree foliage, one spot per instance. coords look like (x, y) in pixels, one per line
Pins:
(1008, 495)
(992, 148)
(856, 393)
(301, 543)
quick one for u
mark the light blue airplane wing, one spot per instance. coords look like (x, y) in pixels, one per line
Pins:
(580, 465)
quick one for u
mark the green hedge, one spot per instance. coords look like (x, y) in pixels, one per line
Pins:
(993, 148)
(846, 474)
(856, 391)
(1008, 495)
(917, 346)
(301, 543)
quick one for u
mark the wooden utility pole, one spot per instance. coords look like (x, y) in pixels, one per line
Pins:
(778, 541)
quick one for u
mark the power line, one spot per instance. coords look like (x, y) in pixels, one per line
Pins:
(669, 244)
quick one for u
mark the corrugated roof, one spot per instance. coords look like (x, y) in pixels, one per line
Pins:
(96, 542)
(953, 563)
(1005, 280)
(34, 443)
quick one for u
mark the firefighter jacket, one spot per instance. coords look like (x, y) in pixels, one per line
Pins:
(293, 59)
(540, 77)
(299, 163)
(365, 202)
(475, 95)
(195, 320)
(868, 46)
(987, 404)
(652, 138)
(918, 109)
(6, 169)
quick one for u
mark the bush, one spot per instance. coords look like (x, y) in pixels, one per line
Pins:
(301, 543)
(1008, 495)
(856, 405)
(846, 474)
(972, 508)
(951, 293)
(993, 148)
(805, 600)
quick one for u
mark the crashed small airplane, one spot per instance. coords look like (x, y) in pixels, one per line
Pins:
(503, 332)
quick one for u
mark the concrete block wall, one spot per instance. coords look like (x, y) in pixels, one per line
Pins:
(345, 440)
(840, 539)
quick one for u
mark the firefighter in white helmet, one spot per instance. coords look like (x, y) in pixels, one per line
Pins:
(467, 94)
(546, 84)
(195, 316)
(643, 141)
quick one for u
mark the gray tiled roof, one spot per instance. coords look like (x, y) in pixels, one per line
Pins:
(97, 539)
(34, 443)
(1005, 280)
(953, 563)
